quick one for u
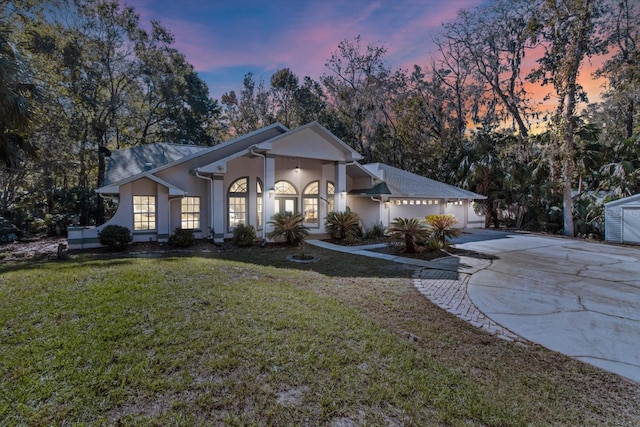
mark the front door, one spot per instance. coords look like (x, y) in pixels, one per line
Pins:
(286, 204)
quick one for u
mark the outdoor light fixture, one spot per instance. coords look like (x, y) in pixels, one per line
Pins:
(297, 169)
(272, 192)
(343, 194)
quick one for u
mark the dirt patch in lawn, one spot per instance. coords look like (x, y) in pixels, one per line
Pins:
(32, 249)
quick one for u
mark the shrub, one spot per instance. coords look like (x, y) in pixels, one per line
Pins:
(182, 238)
(377, 231)
(343, 225)
(409, 229)
(290, 226)
(115, 236)
(441, 228)
(244, 235)
(8, 231)
(433, 245)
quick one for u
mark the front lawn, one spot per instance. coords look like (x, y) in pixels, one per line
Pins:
(243, 337)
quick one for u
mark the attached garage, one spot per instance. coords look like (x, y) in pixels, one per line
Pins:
(622, 220)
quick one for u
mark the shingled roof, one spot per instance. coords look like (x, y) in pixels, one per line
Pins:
(131, 161)
(406, 184)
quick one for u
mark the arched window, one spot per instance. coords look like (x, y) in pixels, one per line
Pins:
(331, 196)
(285, 188)
(310, 201)
(237, 197)
(259, 204)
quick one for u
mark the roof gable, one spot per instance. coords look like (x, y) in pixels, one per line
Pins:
(115, 188)
(311, 141)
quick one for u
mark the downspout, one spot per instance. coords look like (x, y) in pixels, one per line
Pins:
(264, 180)
(381, 201)
(211, 204)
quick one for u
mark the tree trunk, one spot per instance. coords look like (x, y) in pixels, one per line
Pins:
(576, 54)
(567, 200)
(629, 118)
(408, 243)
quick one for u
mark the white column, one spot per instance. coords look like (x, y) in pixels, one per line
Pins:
(218, 204)
(268, 191)
(163, 213)
(341, 187)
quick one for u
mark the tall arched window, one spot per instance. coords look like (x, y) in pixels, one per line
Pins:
(237, 197)
(331, 196)
(310, 201)
(259, 204)
(286, 198)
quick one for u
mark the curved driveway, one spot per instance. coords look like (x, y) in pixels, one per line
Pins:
(576, 297)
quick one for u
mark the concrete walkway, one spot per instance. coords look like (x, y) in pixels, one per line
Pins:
(576, 297)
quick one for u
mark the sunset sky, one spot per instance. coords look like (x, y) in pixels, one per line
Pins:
(225, 39)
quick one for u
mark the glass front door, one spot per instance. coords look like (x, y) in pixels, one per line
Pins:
(286, 204)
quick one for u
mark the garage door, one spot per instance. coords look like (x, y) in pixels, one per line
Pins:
(631, 225)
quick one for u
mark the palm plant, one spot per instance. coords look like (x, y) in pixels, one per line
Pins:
(442, 228)
(343, 225)
(290, 226)
(409, 229)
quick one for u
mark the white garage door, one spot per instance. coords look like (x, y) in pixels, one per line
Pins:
(631, 225)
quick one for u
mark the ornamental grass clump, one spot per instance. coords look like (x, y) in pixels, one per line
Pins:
(244, 235)
(377, 231)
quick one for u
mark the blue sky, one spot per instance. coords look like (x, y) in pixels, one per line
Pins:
(226, 39)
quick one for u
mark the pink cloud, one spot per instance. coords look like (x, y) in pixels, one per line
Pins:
(313, 34)
(305, 37)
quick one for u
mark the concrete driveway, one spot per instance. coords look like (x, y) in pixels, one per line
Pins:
(576, 297)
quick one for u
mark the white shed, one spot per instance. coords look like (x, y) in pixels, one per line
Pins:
(622, 220)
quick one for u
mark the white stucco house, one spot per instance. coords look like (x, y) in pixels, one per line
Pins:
(159, 187)
(622, 220)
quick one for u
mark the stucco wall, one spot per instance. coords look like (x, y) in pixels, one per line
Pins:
(368, 210)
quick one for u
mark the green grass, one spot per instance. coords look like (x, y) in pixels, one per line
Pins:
(204, 340)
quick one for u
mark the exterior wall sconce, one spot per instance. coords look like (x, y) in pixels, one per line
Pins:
(343, 194)
(272, 193)
(297, 169)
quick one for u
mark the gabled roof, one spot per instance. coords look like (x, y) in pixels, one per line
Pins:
(406, 184)
(349, 153)
(115, 188)
(627, 200)
(131, 161)
(129, 164)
